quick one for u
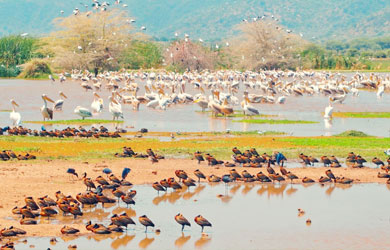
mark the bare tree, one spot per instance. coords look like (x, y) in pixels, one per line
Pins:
(185, 54)
(263, 44)
(90, 39)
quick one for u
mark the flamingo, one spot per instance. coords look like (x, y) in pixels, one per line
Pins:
(14, 116)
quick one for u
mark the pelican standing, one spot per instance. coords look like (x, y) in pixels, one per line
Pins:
(328, 111)
(83, 112)
(60, 102)
(47, 113)
(248, 109)
(14, 116)
(115, 108)
(97, 104)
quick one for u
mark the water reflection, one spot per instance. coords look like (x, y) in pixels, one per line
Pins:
(179, 242)
(145, 242)
(281, 202)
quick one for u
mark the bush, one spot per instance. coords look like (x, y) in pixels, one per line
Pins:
(36, 68)
(12, 71)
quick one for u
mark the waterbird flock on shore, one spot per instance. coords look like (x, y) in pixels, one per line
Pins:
(217, 91)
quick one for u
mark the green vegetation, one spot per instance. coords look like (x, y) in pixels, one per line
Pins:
(76, 121)
(352, 133)
(141, 55)
(236, 114)
(254, 132)
(14, 51)
(37, 69)
(361, 114)
(273, 121)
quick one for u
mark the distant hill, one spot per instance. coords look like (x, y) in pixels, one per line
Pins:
(215, 19)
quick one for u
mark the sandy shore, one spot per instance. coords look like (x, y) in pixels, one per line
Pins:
(39, 178)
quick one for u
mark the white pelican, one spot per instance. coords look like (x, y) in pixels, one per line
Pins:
(328, 111)
(58, 104)
(381, 90)
(83, 112)
(47, 113)
(97, 104)
(14, 116)
(247, 108)
(115, 108)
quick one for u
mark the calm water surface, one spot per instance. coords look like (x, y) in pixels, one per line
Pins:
(250, 216)
(185, 118)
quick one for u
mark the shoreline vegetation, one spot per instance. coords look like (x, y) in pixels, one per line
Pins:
(76, 121)
(60, 52)
(185, 144)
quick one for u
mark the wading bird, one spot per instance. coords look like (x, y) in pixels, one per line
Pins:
(47, 113)
(14, 116)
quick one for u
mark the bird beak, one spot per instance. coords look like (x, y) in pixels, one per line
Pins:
(96, 95)
(201, 89)
(197, 100)
(63, 95)
(14, 103)
(48, 99)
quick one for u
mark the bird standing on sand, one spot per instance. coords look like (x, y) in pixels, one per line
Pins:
(72, 172)
(125, 172)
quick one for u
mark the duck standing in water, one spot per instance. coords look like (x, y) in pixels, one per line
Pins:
(144, 220)
(203, 222)
(179, 218)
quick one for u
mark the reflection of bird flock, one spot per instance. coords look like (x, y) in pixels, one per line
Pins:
(216, 91)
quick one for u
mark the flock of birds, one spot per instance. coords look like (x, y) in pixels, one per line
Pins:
(163, 90)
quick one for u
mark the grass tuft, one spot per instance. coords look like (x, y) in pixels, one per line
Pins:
(274, 121)
(361, 114)
(353, 133)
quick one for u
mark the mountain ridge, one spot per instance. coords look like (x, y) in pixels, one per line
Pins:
(215, 19)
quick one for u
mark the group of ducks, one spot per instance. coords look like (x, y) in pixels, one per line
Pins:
(7, 155)
(66, 132)
(129, 152)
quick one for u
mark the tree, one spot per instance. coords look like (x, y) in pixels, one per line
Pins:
(264, 44)
(187, 55)
(90, 40)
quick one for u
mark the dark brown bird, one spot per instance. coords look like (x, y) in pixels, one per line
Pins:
(291, 176)
(164, 183)
(262, 177)
(48, 211)
(101, 180)
(335, 165)
(270, 170)
(122, 220)
(181, 174)
(236, 151)
(377, 162)
(75, 210)
(198, 156)
(117, 193)
(326, 161)
(104, 199)
(324, 179)
(235, 175)
(179, 218)
(202, 222)
(88, 182)
(307, 180)
(214, 178)
(144, 220)
(330, 174)
(31, 203)
(383, 175)
(283, 171)
(114, 179)
(69, 230)
(199, 174)
(189, 182)
(157, 186)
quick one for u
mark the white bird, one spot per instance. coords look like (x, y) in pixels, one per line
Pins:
(83, 112)
(281, 99)
(115, 108)
(143, 28)
(248, 109)
(97, 104)
(59, 103)
(381, 90)
(15, 116)
(47, 113)
(328, 112)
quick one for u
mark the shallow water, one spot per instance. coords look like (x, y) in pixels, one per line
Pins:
(184, 117)
(251, 216)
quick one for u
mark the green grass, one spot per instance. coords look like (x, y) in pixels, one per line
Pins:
(5, 110)
(361, 114)
(236, 114)
(76, 121)
(353, 133)
(274, 121)
(253, 132)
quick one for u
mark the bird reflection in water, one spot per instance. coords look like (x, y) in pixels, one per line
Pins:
(145, 242)
(120, 210)
(179, 242)
(291, 191)
(330, 189)
(247, 188)
(203, 240)
(122, 241)
(235, 188)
